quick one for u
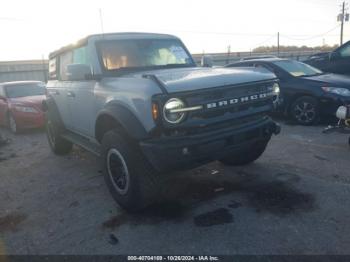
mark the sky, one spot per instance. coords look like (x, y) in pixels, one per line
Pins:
(31, 29)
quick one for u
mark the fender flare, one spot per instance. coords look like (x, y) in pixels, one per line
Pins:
(123, 116)
(51, 111)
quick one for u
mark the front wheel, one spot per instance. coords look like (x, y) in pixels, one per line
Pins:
(247, 156)
(305, 110)
(129, 176)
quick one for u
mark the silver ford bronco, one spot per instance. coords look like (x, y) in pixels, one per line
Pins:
(139, 101)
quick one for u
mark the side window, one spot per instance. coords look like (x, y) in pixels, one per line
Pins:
(81, 56)
(53, 68)
(345, 51)
(264, 66)
(259, 66)
(65, 59)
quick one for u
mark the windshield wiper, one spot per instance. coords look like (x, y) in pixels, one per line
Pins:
(176, 65)
(317, 74)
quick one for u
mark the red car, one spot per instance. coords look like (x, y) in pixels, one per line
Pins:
(21, 104)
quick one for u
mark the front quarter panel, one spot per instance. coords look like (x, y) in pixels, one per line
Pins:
(133, 94)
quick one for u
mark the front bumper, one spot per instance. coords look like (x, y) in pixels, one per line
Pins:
(329, 103)
(183, 152)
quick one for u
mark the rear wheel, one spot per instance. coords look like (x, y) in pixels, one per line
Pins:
(129, 176)
(305, 110)
(247, 156)
(58, 145)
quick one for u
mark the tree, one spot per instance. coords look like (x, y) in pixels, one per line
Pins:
(267, 49)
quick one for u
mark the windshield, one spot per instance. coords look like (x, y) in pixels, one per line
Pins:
(22, 90)
(143, 53)
(298, 69)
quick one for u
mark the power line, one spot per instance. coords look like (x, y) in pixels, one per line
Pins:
(221, 33)
(266, 40)
(322, 3)
(311, 37)
(11, 19)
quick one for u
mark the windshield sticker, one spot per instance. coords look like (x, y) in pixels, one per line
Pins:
(179, 52)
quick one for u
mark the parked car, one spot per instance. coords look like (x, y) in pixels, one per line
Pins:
(21, 104)
(307, 93)
(337, 61)
(139, 101)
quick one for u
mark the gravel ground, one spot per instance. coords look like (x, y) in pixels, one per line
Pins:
(294, 200)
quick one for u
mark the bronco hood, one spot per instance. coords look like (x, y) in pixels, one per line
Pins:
(188, 79)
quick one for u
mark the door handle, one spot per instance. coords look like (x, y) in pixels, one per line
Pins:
(70, 94)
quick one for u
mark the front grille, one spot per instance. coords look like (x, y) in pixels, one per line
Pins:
(220, 94)
(227, 115)
(222, 111)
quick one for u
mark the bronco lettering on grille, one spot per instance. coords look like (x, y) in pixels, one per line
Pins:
(233, 101)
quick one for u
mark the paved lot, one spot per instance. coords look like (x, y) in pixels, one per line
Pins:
(293, 200)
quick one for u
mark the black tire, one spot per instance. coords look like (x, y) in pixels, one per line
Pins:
(58, 145)
(305, 110)
(130, 178)
(246, 156)
(12, 124)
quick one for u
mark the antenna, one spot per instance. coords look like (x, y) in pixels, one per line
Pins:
(101, 21)
(103, 36)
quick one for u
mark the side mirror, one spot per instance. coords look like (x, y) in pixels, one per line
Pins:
(207, 61)
(76, 72)
(3, 98)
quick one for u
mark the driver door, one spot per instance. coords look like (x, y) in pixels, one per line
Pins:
(81, 97)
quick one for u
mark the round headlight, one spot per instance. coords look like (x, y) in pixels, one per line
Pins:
(169, 111)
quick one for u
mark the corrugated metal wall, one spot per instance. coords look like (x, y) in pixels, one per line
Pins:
(24, 70)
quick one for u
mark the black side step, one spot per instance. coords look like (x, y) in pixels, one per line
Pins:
(83, 142)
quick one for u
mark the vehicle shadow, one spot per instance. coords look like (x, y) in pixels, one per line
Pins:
(185, 194)
(323, 122)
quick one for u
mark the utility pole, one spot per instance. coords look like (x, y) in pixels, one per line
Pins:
(342, 24)
(228, 54)
(278, 43)
(45, 68)
(342, 17)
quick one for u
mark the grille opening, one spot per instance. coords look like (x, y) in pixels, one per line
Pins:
(220, 112)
